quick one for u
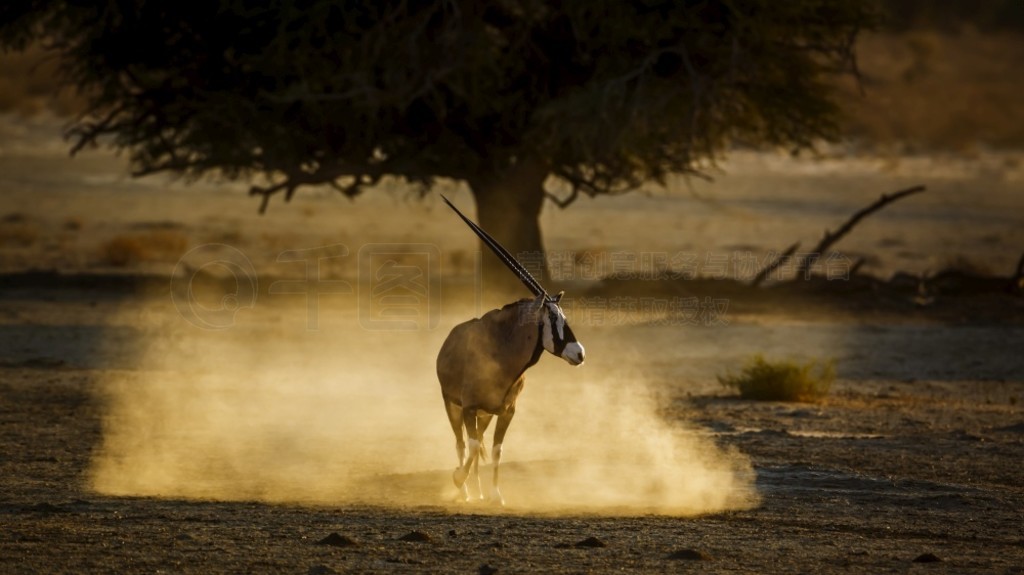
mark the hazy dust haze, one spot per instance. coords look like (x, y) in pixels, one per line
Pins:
(270, 410)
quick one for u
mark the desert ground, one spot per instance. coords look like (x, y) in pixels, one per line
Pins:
(272, 414)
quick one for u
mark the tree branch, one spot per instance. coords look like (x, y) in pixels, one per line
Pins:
(358, 183)
(768, 269)
(86, 132)
(179, 166)
(266, 192)
(832, 237)
(562, 204)
(323, 175)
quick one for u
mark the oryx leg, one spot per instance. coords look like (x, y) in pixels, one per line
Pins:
(499, 437)
(482, 421)
(455, 419)
(473, 446)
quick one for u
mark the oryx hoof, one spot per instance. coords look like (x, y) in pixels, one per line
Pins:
(496, 498)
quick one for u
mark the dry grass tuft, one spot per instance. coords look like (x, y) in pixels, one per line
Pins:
(17, 229)
(20, 235)
(782, 380)
(156, 245)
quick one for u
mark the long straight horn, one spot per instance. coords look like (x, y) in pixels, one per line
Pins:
(503, 255)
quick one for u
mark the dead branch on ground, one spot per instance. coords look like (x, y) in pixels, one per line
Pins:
(1017, 282)
(779, 261)
(832, 237)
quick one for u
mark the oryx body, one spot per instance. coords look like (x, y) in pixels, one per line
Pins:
(482, 365)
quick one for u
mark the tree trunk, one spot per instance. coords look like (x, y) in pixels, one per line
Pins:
(508, 207)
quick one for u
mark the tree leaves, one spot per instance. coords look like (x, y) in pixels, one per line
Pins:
(609, 94)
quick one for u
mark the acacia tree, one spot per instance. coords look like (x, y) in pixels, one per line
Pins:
(506, 95)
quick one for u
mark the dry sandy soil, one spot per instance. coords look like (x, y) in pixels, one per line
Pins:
(136, 438)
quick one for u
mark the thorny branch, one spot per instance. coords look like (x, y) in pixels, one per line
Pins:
(832, 237)
(296, 179)
(86, 132)
(578, 183)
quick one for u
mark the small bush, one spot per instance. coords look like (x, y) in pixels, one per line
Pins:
(782, 380)
(159, 245)
(19, 235)
(123, 250)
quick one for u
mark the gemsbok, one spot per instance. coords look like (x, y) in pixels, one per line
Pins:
(482, 363)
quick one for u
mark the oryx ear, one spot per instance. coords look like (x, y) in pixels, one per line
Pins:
(558, 296)
(540, 301)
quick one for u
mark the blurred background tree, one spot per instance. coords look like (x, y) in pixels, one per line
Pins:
(952, 15)
(940, 77)
(509, 96)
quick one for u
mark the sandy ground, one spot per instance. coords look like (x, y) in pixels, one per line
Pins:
(137, 438)
(916, 451)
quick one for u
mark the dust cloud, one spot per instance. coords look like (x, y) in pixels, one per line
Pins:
(270, 410)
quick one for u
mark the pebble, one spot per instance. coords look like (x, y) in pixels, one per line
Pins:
(591, 542)
(690, 555)
(45, 507)
(415, 537)
(336, 540)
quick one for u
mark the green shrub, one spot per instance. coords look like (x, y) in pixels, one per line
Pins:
(782, 380)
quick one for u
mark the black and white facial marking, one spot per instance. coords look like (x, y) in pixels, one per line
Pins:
(557, 336)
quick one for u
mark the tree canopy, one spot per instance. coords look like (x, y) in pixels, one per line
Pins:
(602, 94)
(607, 93)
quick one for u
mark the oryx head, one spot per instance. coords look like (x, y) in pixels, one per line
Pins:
(556, 335)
